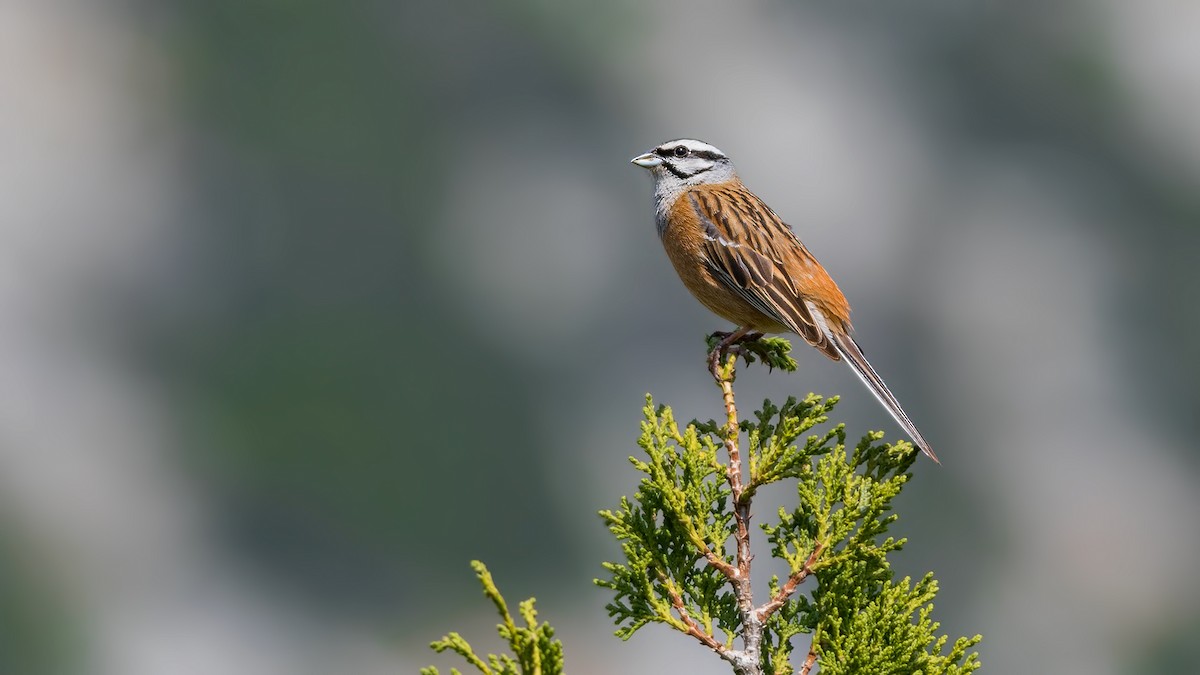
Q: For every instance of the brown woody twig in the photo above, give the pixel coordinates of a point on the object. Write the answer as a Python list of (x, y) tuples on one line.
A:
[(810, 661), (789, 587), (693, 628)]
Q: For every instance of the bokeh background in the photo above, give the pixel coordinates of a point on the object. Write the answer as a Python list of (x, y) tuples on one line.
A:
[(303, 305)]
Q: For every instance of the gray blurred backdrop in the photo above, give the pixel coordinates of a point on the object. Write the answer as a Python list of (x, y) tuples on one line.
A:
[(306, 304)]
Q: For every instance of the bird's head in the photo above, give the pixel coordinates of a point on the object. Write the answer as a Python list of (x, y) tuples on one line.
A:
[(687, 162)]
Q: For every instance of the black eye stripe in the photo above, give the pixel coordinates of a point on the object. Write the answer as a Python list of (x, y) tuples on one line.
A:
[(678, 174), (703, 154)]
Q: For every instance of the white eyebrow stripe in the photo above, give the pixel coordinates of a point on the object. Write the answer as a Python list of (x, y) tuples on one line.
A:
[(693, 144)]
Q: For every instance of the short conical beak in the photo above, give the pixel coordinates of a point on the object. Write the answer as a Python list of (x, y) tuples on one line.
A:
[(647, 161)]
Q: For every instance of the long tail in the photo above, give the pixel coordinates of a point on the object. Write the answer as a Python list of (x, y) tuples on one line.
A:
[(850, 351)]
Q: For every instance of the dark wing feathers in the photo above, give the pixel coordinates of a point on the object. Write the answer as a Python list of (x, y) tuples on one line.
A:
[(749, 249), (754, 253)]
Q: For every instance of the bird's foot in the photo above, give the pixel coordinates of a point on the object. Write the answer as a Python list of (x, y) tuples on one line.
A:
[(750, 337), (726, 344)]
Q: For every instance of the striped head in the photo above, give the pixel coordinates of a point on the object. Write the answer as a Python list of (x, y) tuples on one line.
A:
[(680, 164)]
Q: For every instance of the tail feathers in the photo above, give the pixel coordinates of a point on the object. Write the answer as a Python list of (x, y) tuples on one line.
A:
[(850, 351)]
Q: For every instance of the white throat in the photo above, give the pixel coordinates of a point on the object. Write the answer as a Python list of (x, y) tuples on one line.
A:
[(668, 187)]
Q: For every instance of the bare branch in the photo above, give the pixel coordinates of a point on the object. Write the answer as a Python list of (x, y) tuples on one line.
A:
[(695, 629), (715, 561), (810, 661), (790, 586), (752, 627)]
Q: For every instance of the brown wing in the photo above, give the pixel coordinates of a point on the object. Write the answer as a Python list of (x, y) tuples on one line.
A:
[(750, 250), (754, 253)]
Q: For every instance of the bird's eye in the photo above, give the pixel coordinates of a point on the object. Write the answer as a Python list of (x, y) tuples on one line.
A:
[(680, 151)]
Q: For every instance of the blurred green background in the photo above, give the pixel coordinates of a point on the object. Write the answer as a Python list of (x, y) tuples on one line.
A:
[(306, 304)]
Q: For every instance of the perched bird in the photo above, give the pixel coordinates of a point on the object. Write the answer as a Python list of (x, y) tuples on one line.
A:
[(746, 265)]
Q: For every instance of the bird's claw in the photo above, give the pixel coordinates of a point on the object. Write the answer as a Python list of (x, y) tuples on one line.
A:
[(727, 343)]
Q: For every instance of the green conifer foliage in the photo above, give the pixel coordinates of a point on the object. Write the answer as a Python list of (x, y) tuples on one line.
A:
[(537, 652), (685, 542)]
